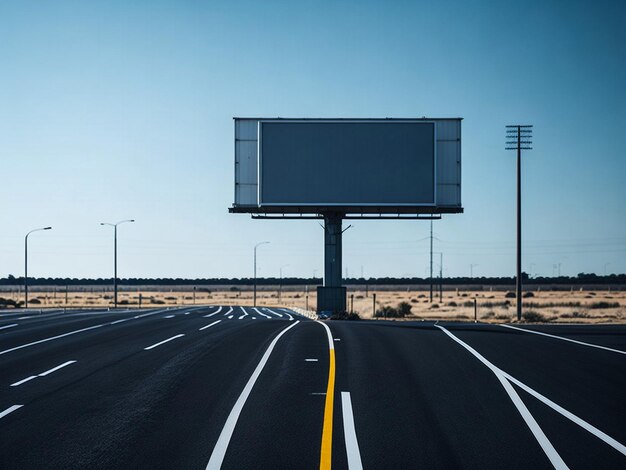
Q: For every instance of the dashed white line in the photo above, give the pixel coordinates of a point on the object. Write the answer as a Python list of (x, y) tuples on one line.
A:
[(43, 374), (8, 326), (219, 309), (209, 325), (349, 432), (169, 316), (219, 451), (10, 409), (563, 338), (230, 317), (163, 342), (310, 360), (23, 381), (242, 316)]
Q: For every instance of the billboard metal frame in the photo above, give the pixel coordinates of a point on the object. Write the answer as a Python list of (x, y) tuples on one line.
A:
[(335, 206)]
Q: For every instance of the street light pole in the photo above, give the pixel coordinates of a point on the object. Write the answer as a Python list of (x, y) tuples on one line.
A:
[(254, 288), (26, 263), (115, 256)]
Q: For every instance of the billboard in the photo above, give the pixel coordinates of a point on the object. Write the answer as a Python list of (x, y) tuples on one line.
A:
[(349, 165)]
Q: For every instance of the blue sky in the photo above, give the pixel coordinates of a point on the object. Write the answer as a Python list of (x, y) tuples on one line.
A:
[(113, 110)]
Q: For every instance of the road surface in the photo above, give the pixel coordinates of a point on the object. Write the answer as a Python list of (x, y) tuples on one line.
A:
[(239, 388)]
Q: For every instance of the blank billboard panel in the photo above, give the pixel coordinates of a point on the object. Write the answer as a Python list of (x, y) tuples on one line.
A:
[(346, 163)]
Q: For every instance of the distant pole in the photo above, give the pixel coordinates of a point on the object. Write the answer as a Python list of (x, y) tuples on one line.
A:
[(26, 263), (431, 261), (115, 256), (472, 266), (374, 305), (440, 277), (254, 287), (519, 138), (351, 303), (475, 311)]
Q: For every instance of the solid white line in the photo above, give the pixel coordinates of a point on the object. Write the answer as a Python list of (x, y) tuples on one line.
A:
[(562, 338), (50, 339), (230, 309), (569, 415), (349, 432), (540, 436), (120, 321), (260, 313), (20, 382), (245, 314), (275, 313), (10, 409), (209, 325), (219, 309), (287, 313), (162, 342), (8, 326), (331, 345), (219, 451), (43, 374)]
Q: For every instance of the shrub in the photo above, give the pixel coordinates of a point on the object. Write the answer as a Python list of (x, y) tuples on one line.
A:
[(170, 298), (461, 317), (434, 306), (452, 304), (421, 296), (604, 305), (234, 289), (357, 297), (468, 303), (532, 316), (386, 312), (489, 314), (35, 301), (503, 317), (345, 316), (528, 294), (463, 295), (123, 302), (509, 295), (157, 301), (414, 301), (404, 309)]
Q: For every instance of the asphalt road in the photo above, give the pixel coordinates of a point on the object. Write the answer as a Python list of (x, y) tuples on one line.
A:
[(238, 388)]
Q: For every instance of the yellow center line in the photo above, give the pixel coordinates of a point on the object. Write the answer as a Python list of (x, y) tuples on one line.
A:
[(327, 430)]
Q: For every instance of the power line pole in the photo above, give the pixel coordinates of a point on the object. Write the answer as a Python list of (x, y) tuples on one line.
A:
[(431, 261), (519, 138)]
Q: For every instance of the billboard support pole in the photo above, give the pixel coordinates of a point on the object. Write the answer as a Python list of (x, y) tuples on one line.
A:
[(332, 249)]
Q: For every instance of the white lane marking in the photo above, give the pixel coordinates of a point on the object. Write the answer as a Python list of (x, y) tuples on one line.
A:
[(254, 318), (242, 316), (230, 317), (331, 345), (187, 313), (569, 415), (337, 339), (318, 393), (163, 342), (10, 409), (310, 360), (245, 314), (349, 432), (219, 451), (120, 321), (50, 371), (219, 309), (169, 316), (43, 374), (23, 381), (540, 436), (8, 326), (209, 325), (287, 313), (260, 313), (275, 313), (50, 339), (26, 318), (230, 309), (563, 338), (72, 333)]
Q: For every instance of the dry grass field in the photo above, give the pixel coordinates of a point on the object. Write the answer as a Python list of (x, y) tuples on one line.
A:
[(566, 306)]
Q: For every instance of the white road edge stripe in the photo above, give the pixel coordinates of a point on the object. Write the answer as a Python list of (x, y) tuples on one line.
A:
[(8, 326), (163, 342), (43, 374), (219, 451), (540, 436), (209, 325), (349, 432), (219, 309), (10, 409), (563, 338), (23, 381)]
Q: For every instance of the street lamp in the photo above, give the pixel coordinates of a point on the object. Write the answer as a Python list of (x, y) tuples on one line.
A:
[(254, 288), (26, 263), (115, 256), (280, 285), (472, 266)]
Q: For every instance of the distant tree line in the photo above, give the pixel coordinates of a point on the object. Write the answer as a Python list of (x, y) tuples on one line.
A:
[(582, 278)]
